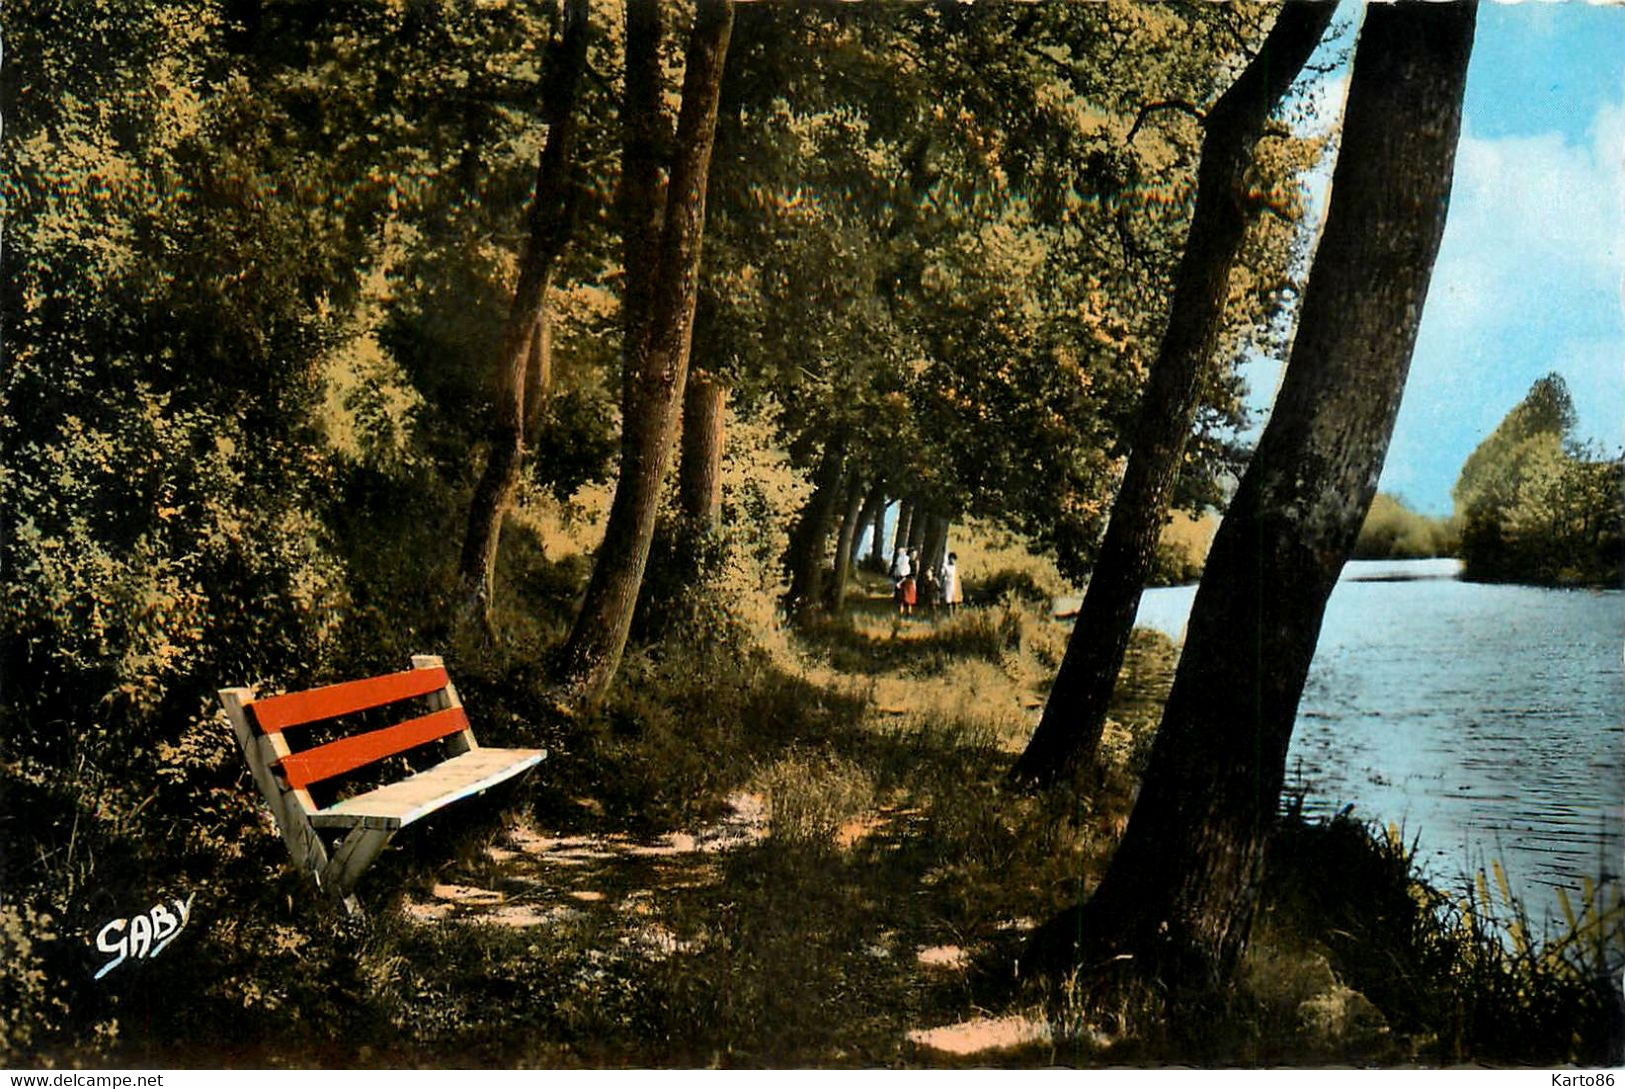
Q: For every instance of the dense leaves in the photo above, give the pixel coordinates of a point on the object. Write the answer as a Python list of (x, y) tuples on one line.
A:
[(1535, 507)]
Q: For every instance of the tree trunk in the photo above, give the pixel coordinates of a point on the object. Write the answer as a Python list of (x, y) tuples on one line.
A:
[(699, 471), (846, 540), (538, 374), (525, 347), (1075, 711), (873, 506), (905, 524), (657, 369), (935, 545), (877, 543), (1179, 894), (804, 558), (644, 133), (918, 526)]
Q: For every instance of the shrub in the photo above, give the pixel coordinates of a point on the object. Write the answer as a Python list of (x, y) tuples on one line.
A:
[(1006, 582), (1392, 530)]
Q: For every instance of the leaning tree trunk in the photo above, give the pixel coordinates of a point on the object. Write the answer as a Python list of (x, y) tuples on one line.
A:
[(525, 344), (657, 370), (845, 540), (699, 463), (1075, 711), (804, 556), (1179, 894)]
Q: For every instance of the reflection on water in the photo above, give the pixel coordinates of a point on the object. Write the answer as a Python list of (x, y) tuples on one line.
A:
[(1487, 720)]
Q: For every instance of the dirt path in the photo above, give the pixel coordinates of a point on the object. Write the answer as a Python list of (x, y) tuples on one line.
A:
[(528, 878)]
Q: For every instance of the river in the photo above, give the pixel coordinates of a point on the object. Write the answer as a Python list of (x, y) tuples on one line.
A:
[(1487, 721)]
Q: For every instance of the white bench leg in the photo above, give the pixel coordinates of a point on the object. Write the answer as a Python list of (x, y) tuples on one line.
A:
[(351, 859)]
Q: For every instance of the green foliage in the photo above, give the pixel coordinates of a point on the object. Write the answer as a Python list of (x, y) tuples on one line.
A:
[(1393, 531), (682, 596), (1547, 411), (959, 262), (162, 491), (1534, 507)]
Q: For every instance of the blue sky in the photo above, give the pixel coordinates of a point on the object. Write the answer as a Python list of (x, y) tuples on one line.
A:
[(1529, 277)]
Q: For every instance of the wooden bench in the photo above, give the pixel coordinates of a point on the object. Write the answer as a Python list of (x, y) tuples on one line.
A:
[(357, 827)]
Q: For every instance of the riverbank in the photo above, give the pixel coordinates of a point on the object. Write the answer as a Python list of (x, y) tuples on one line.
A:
[(803, 854)]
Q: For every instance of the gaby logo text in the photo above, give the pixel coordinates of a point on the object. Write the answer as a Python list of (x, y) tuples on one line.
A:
[(143, 936)]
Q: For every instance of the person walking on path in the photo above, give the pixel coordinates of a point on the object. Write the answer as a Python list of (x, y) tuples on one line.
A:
[(909, 587), (902, 571), (952, 592)]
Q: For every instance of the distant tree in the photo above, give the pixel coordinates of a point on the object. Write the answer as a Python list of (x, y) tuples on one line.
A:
[(804, 558), (662, 287), (1075, 712), (845, 541), (1393, 530), (699, 474), (1535, 507), (1546, 410), (1179, 894)]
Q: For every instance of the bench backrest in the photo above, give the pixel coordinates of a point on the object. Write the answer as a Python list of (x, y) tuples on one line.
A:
[(284, 776)]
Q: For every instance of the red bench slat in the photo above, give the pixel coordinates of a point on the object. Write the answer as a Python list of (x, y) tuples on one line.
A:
[(349, 753), (276, 713)]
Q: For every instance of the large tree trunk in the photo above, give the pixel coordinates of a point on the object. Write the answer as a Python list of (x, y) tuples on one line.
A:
[(804, 557), (525, 345), (1179, 894), (656, 373), (699, 467), (1075, 712), (851, 519)]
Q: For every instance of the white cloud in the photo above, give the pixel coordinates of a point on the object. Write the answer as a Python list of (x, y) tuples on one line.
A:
[(1533, 247), (1528, 281)]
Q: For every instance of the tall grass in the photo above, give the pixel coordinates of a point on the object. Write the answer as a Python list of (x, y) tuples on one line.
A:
[(1464, 977)]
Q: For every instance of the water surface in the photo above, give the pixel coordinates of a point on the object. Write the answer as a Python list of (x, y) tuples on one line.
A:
[(1487, 721)]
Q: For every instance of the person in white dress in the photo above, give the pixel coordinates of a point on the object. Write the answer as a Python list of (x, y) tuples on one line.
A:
[(952, 591)]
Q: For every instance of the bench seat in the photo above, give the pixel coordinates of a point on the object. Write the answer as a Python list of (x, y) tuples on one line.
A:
[(399, 804)]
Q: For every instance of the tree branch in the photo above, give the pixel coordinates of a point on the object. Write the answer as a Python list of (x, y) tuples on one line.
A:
[(1158, 107)]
